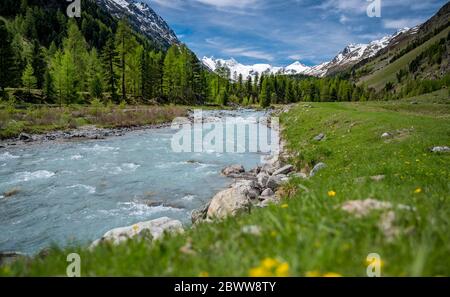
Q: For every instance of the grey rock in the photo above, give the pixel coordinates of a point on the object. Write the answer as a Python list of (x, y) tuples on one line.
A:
[(229, 202), (252, 230), (199, 215), (267, 193), (386, 135), (269, 168), (378, 178), (284, 170), (255, 170), (233, 169), (150, 230), (25, 137), (319, 137), (275, 181), (263, 177), (440, 149), (317, 168)]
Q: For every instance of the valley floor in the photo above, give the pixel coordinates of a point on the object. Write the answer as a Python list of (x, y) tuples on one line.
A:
[(310, 233)]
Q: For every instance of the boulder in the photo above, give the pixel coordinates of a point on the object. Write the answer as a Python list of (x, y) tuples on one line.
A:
[(151, 230), (255, 170), (269, 168), (233, 169), (267, 193), (284, 170), (199, 215), (275, 181), (249, 188), (263, 177), (319, 137), (25, 137), (229, 202), (317, 168), (440, 149), (362, 208)]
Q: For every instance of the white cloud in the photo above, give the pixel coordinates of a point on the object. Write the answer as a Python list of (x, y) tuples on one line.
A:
[(228, 3), (248, 53), (401, 23), (343, 19), (295, 57)]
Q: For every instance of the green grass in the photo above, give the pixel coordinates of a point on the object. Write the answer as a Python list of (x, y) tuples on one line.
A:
[(386, 74), (312, 233)]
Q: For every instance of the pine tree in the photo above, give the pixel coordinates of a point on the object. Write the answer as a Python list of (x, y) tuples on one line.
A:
[(125, 44), (28, 79), (170, 73), (48, 88), (265, 94), (96, 87), (76, 47), (94, 75), (38, 63), (109, 63), (6, 58)]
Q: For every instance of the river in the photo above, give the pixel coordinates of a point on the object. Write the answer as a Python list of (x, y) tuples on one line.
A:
[(72, 192)]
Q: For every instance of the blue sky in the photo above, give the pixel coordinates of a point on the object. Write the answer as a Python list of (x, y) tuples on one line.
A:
[(281, 32)]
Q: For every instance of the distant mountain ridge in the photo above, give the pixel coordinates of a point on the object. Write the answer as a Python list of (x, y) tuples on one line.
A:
[(349, 56), (143, 18)]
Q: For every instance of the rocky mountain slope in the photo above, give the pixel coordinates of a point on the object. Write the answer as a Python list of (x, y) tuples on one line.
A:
[(143, 18)]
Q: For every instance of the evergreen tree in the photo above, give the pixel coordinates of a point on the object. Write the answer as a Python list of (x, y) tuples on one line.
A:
[(48, 88), (109, 63), (29, 81), (265, 94), (125, 44), (76, 48), (38, 63), (6, 58)]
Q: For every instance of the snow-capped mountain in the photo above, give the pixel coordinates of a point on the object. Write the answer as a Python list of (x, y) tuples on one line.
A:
[(142, 18), (237, 68), (355, 53), (351, 55)]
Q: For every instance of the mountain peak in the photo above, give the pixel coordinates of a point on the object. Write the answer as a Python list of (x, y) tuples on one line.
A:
[(143, 18)]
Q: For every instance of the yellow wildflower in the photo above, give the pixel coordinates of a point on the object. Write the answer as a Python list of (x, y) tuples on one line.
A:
[(312, 273), (284, 206), (269, 263), (273, 234), (332, 274), (203, 274), (135, 228), (282, 270), (259, 272), (418, 191), (331, 193)]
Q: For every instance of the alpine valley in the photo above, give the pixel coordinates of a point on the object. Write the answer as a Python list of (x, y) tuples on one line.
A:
[(122, 153)]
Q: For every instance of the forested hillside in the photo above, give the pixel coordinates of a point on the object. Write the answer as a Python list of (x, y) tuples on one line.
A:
[(415, 63), (48, 57)]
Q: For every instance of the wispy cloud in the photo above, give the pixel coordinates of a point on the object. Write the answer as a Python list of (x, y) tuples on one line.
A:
[(312, 31), (401, 23)]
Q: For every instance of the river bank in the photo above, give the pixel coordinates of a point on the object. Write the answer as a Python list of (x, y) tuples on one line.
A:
[(104, 183), (384, 195), (48, 123)]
